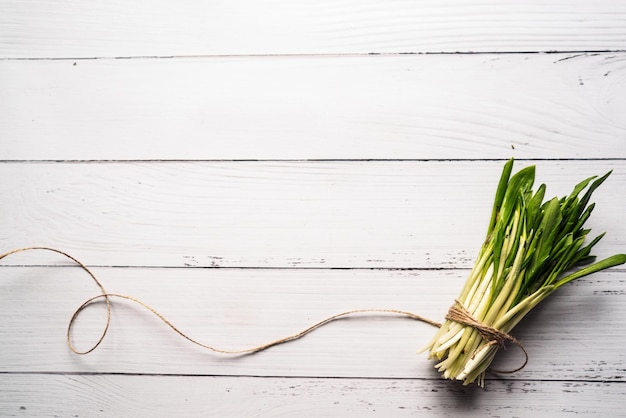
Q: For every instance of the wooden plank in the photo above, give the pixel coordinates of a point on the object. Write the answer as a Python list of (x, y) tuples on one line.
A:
[(574, 335), (165, 27), (382, 214), (364, 107), (262, 397)]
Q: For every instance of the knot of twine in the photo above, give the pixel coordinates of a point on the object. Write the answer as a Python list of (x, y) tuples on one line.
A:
[(493, 336)]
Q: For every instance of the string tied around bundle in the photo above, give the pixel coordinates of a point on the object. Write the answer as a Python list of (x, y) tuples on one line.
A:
[(493, 336), (456, 313)]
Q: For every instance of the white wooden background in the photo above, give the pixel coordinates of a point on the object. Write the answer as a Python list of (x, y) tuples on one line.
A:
[(251, 167)]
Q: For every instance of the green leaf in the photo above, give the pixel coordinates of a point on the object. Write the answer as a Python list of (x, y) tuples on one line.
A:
[(500, 193), (609, 262), (533, 207), (517, 186), (579, 188), (585, 251), (592, 188), (549, 226)]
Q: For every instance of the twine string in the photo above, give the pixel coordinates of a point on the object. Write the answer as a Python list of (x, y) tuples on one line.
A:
[(103, 295), (250, 350), (456, 313), (493, 336)]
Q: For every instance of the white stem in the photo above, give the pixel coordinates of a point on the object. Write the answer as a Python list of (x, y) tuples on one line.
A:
[(475, 360), (442, 348)]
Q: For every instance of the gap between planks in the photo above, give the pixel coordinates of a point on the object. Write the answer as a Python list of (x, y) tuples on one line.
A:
[(294, 160), (296, 377), (577, 52)]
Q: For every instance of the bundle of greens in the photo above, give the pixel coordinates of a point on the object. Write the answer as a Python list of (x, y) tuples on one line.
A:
[(530, 251)]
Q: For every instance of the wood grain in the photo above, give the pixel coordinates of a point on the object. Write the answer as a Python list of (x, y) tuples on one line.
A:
[(567, 337), (132, 396), (243, 27), (335, 214), (355, 107), (249, 168)]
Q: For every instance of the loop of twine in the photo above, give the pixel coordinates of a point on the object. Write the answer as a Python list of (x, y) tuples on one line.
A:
[(108, 296), (493, 336), (103, 294), (456, 313)]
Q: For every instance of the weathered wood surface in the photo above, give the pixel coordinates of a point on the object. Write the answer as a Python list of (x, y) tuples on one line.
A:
[(235, 309), (245, 298), (330, 107), (192, 396), (391, 214), (244, 27), (250, 168)]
